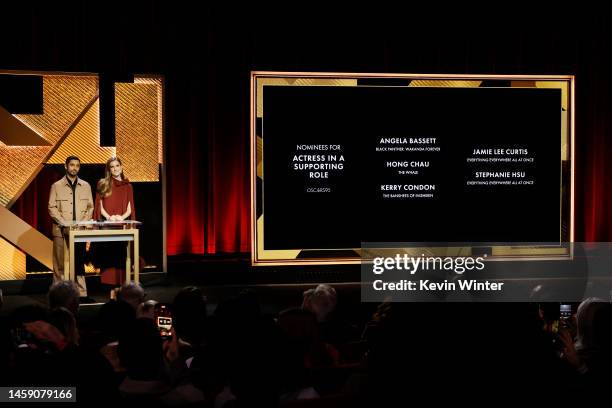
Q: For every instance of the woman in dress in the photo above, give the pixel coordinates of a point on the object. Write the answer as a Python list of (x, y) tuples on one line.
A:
[(115, 195), (114, 202)]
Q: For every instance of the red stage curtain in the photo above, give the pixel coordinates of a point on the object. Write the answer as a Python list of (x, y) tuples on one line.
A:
[(208, 191)]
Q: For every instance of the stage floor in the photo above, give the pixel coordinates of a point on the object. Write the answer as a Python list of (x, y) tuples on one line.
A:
[(219, 281)]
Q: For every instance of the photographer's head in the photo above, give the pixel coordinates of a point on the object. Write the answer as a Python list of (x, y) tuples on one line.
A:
[(64, 294), (131, 293), (321, 301), (146, 309)]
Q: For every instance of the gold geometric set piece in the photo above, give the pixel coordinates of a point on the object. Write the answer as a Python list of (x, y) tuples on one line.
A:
[(70, 125)]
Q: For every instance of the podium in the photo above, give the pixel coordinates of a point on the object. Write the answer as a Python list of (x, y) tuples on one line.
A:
[(103, 231)]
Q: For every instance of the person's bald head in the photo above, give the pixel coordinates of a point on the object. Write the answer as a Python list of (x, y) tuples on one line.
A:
[(131, 293)]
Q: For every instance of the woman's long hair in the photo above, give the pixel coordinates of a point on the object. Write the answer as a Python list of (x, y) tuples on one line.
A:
[(105, 185)]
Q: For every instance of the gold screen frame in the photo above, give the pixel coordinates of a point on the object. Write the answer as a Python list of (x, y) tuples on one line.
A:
[(262, 257)]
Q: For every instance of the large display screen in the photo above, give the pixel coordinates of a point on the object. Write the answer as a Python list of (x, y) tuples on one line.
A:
[(342, 159)]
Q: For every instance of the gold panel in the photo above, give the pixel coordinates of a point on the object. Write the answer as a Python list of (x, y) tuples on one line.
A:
[(18, 164), (565, 102), (322, 81), (259, 157), (14, 133), (137, 129), (445, 84), (84, 141), (160, 111), (563, 85), (12, 262), (28, 239), (64, 98), (263, 254), (298, 82)]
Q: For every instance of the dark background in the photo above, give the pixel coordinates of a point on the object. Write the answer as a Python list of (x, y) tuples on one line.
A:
[(461, 119), (206, 53)]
